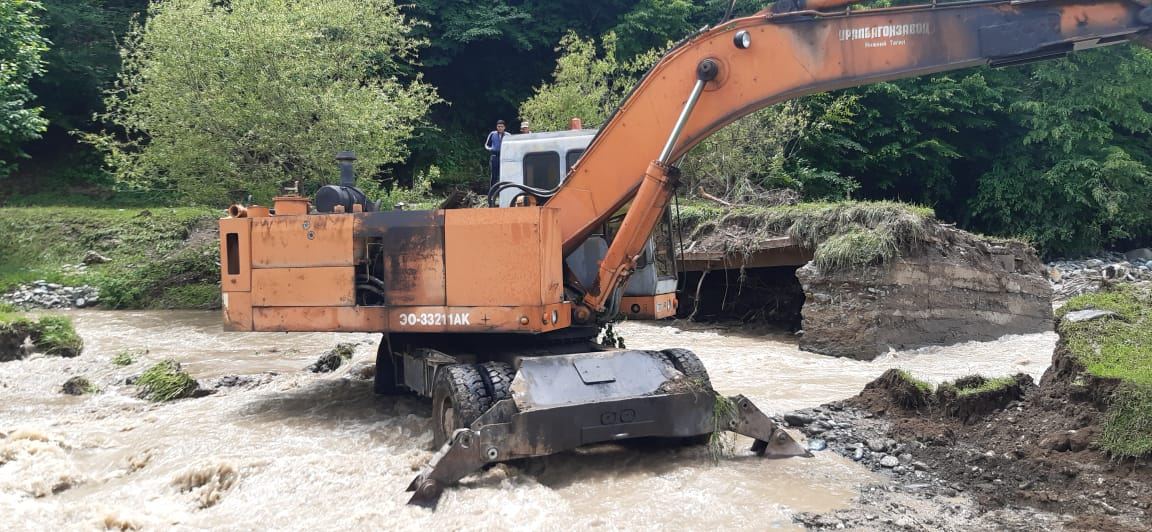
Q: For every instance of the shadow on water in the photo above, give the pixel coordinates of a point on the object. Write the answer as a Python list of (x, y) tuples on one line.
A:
[(335, 400)]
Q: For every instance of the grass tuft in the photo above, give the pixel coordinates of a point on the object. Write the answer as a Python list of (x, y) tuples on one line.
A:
[(722, 443), (55, 335), (923, 386), (1118, 348), (840, 235), (165, 381), (127, 358)]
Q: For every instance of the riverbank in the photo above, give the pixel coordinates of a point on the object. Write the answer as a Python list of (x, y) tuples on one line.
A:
[(162, 258), (1069, 452)]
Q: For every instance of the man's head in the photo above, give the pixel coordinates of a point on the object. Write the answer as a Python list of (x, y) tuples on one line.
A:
[(500, 126), (525, 127)]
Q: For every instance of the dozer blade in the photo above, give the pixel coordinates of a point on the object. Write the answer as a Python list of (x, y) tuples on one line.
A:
[(565, 401)]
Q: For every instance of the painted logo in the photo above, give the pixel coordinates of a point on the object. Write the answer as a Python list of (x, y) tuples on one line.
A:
[(885, 35)]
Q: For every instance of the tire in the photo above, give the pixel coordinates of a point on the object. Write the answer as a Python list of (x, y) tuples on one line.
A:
[(498, 379), (459, 396), (386, 381), (689, 364)]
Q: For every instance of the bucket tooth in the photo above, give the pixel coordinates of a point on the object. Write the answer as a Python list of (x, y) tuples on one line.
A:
[(770, 441)]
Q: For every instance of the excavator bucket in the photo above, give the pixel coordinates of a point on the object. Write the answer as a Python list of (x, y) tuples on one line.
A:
[(565, 401)]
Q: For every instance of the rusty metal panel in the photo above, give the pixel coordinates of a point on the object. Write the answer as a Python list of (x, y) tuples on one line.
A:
[(323, 319), (237, 308), (303, 287), (302, 241), (552, 256), (412, 244), (235, 255), (520, 319), (494, 257), (655, 307)]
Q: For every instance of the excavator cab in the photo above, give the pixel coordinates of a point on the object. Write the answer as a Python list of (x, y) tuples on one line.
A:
[(541, 161)]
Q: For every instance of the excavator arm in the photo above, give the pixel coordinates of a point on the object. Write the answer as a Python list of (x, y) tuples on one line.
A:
[(791, 49)]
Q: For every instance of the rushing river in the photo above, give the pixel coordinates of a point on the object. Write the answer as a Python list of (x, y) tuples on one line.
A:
[(308, 451)]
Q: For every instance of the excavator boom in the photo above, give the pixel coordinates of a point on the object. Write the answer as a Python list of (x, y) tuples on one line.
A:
[(482, 309)]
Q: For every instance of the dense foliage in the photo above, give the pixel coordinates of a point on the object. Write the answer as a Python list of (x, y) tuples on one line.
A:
[(251, 95), (211, 101), (21, 48)]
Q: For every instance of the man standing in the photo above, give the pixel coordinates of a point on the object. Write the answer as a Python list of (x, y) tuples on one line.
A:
[(495, 138), (525, 128)]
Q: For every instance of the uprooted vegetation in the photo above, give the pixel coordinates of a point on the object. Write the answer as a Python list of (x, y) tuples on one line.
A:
[(1115, 351), (51, 335), (166, 381), (839, 235)]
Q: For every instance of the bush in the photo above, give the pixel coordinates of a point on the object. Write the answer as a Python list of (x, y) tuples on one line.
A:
[(55, 335), (166, 381)]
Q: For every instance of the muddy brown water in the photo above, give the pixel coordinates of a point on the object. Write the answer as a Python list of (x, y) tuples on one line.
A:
[(309, 451)]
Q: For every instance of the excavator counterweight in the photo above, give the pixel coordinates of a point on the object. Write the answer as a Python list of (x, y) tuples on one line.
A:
[(494, 313)]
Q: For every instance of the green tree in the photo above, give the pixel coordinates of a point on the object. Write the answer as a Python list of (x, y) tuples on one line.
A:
[(1075, 170), (589, 82), (249, 94), (21, 49)]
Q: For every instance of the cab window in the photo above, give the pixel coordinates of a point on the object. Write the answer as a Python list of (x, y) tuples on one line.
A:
[(542, 169), (571, 158)]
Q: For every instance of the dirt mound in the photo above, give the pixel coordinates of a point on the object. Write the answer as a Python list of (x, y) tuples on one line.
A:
[(1007, 442)]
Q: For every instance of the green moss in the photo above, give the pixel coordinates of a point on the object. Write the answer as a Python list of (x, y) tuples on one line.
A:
[(1118, 347), (166, 381), (55, 335), (840, 235)]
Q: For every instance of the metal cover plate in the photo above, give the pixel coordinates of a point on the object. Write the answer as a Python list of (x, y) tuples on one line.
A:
[(594, 370)]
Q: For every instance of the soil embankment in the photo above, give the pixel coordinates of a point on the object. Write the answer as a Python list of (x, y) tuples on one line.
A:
[(1070, 452), (881, 276)]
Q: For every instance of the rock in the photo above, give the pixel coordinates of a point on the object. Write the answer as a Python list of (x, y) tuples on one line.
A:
[(906, 457), (817, 445), (77, 386), (92, 257), (327, 363), (797, 420), (1088, 315), (920, 466), (858, 455), (1056, 441), (877, 445), (1142, 254), (889, 461), (1078, 440)]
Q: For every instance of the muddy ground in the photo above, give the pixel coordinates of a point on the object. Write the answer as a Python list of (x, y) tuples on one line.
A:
[(1021, 458)]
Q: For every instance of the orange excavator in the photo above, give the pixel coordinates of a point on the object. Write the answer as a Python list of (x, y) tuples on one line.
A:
[(484, 310)]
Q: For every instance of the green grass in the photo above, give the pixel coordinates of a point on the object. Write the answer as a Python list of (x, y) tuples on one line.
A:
[(165, 381), (721, 442), (126, 358), (983, 385), (55, 335), (840, 235), (154, 262), (1120, 348), (922, 385)]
